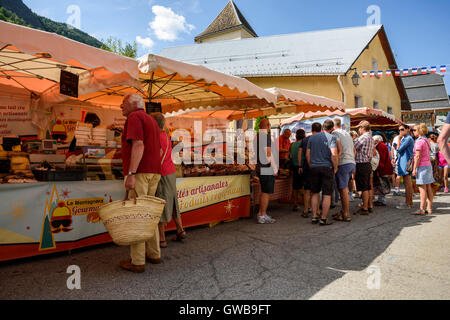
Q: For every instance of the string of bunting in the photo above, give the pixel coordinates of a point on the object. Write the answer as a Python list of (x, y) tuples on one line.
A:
[(403, 72)]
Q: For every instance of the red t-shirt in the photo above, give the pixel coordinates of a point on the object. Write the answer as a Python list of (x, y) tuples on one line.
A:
[(285, 143), (140, 126), (168, 167)]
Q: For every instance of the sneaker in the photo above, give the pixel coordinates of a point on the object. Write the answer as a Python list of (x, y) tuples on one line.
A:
[(446, 190), (350, 197), (404, 207), (265, 219)]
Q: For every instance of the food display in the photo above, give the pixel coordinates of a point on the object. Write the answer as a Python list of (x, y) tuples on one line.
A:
[(240, 165), (86, 135), (15, 167)]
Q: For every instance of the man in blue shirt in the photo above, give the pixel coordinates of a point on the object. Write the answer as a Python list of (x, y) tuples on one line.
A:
[(322, 157), (443, 139)]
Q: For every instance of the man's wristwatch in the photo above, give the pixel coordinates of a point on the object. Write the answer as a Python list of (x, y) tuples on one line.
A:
[(131, 173)]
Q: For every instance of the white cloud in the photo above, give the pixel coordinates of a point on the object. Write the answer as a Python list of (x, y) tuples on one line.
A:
[(167, 25), (146, 43)]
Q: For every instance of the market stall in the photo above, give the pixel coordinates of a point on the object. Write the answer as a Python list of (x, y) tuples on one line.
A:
[(288, 101), (51, 195), (378, 119)]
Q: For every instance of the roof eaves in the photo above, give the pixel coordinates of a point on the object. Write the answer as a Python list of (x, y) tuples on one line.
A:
[(244, 23), (206, 35)]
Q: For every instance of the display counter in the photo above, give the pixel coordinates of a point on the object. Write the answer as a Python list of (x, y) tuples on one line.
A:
[(47, 217), (282, 191)]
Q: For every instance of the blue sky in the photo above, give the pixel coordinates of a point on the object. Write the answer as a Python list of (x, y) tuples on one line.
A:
[(418, 30)]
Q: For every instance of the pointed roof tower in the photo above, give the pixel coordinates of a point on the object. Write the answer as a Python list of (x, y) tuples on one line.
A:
[(230, 19)]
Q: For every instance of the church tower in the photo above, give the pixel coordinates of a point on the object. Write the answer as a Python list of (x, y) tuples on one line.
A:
[(230, 24)]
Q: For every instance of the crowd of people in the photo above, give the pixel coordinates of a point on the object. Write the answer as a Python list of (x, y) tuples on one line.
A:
[(329, 161), (353, 165)]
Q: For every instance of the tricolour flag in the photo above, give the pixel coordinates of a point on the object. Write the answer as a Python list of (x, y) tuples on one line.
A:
[(433, 69), (405, 72), (364, 74), (388, 73), (380, 73), (424, 70), (443, 68), (372, 74), (397, 73), (414, 71)]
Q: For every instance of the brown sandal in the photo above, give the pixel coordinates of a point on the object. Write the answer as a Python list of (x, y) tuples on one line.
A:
[(163, 244), (419, 212), (180, 236)]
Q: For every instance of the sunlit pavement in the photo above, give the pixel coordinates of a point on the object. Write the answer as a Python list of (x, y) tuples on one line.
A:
[(387, 255)]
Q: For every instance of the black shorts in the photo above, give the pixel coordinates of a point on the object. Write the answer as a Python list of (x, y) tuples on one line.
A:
[(297, 179), (363, 176), (267, 183), (322, 179), (305, 179)]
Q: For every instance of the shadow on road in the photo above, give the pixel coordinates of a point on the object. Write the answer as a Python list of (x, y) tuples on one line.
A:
[(291, 259)]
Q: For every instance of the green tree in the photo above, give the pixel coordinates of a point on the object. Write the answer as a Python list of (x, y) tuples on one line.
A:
[(115, 45)]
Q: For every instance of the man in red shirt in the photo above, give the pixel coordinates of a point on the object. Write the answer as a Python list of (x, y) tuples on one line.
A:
[(384, 167), (142, 170), (285, 146)]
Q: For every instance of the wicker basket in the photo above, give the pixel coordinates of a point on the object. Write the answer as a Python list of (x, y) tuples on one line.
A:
[(132, 221)]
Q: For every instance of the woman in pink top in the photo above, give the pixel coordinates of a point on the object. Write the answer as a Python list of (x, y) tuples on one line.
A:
[(443, 168), (423, 170), (167, 187)]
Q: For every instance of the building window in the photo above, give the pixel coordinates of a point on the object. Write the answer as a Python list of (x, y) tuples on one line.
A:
[(358, 101), (389, 110), (375, 105)]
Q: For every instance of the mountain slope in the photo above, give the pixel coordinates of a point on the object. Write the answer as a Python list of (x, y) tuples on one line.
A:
[(15, 11)]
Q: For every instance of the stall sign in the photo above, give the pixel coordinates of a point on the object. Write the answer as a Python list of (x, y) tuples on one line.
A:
[(15, 118)]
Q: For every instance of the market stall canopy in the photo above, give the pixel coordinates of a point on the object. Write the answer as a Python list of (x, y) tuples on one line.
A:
[(229, 115), (181, 86), (290, 101), (33, 60), (378, 119)]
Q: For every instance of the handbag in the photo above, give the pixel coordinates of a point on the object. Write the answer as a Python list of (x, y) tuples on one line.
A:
[(132, 221), (410, 165)]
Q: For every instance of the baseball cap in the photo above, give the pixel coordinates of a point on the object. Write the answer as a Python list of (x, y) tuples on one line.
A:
[(364, 124)]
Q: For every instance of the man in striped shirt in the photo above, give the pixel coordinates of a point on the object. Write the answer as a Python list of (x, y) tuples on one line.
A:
[(364, 152)]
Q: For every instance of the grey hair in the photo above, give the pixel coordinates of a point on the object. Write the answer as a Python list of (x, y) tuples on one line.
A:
[(378, 138), (135, 98)]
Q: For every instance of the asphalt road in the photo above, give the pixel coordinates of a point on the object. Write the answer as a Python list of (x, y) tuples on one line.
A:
[(387, 255)]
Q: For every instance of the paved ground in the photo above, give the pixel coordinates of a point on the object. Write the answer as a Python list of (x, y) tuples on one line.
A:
[(387, 255)]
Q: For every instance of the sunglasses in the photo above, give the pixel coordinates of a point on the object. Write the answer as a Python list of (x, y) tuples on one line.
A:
[(402, 129), (414, 130)]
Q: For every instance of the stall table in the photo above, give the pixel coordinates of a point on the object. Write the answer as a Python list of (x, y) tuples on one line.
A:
[(282, 192), (47, 217)]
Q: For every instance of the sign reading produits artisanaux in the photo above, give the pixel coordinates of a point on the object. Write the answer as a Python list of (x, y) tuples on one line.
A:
[(194, 193)]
